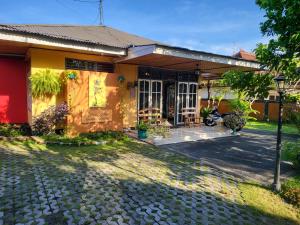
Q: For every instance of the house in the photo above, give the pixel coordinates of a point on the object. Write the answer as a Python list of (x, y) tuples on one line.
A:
[(117, 75)]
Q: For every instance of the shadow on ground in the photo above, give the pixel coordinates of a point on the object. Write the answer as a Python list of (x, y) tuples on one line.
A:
[(128, 183), (251, 155)]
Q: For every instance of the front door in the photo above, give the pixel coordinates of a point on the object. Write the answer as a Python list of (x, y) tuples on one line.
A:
[(150, 94), (186, 98)]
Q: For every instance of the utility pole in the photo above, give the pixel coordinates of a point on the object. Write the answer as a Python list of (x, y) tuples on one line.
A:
[(101, 12)]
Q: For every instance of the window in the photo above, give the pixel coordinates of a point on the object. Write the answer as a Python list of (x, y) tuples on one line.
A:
[(76, 64)]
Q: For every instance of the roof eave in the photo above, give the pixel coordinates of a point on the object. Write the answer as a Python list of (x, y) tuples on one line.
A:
[(138, 51), (43, 40)]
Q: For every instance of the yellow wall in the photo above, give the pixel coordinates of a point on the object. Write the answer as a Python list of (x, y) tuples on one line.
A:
[(55, 60)]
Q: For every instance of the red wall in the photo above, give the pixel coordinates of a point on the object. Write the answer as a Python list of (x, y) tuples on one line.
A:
[(13, 91)]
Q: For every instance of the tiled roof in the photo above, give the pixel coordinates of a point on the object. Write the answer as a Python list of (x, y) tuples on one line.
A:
[(100, 35), (245, 55)]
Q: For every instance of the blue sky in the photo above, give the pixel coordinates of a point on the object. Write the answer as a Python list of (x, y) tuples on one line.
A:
[(219, 26)]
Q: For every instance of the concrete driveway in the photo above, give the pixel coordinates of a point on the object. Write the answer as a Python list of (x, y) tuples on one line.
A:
[(250, 155)]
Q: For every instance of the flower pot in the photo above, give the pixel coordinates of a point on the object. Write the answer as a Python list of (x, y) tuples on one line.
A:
[(233, 132), (142, 134)]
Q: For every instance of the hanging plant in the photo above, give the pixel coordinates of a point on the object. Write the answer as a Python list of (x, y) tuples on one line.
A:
[(121, 79), (71, 75), (45, 82)]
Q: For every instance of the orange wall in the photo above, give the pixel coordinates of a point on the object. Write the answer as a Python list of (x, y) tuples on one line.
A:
[(78, 101), (121, 100)]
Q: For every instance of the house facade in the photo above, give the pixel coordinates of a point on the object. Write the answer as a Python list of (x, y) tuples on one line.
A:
[(117, 75)]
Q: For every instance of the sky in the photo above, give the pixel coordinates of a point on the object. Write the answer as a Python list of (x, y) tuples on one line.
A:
[(217, 26)]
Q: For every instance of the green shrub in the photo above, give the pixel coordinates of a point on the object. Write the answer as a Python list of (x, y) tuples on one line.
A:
[(294, 98), (14, 130), (204, 112), (54, 138), (102, 136), (142, 126), (291, 152), (295, 118), (290, 191), (86, 138), (242, 107), (45, 82), (234, 121)]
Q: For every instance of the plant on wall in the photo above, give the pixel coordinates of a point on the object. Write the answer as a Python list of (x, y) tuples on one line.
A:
[(45, 82), (71, 75)]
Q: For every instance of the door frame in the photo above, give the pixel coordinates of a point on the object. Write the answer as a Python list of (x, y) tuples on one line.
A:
[(150, 94), (187, 98)]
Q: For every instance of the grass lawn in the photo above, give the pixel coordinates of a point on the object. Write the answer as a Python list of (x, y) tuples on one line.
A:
[(271, 126), (126, 182)]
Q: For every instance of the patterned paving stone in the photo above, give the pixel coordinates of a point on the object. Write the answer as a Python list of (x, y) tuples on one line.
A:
[(128, 191)]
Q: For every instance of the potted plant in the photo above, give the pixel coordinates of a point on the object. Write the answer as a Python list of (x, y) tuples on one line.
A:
[(142, 128), (204, 112)]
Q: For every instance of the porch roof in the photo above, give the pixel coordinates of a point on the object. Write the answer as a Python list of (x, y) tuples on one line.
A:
[(181, 59)]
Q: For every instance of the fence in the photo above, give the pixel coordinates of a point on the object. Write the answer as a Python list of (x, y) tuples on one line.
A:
[(266, 110)]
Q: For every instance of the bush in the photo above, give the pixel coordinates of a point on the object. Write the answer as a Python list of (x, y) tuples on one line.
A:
[(54, 138), (292, 98), (295, 118), (204, 112), (242, 107), (234, 121), (14, 130), (290, 191), (49, 120), (101, 136), (291, 152), (86, 138)]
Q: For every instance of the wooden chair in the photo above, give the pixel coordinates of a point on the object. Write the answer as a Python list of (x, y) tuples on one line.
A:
[(150, 115), (190, 117)]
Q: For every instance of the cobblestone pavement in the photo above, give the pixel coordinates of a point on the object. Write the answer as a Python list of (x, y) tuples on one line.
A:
[(39, 187)]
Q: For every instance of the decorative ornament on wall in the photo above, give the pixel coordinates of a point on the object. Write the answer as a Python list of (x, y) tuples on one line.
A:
[(97, 90), (72, 75), (121, 79)]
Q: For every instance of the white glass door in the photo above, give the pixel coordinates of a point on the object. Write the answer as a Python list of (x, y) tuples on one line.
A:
[(150, 94), (186, 98), (144, 94)]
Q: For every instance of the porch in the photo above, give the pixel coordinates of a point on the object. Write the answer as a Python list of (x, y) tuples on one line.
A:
[(186, 134), (169, 79)]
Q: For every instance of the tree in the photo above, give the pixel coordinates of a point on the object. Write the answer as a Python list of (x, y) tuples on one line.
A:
[(282, 26), (253, 85)]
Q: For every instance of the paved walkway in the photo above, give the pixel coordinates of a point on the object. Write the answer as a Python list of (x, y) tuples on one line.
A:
[(140, 186), (186, 134), (250, 155)]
